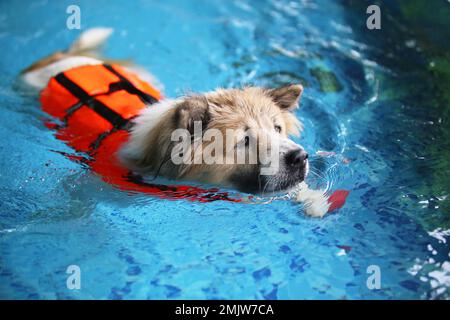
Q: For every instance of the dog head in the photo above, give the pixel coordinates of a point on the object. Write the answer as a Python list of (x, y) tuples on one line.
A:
[(234, 137)]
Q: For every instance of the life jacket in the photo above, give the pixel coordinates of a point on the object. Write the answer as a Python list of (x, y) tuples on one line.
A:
[(95, 106)]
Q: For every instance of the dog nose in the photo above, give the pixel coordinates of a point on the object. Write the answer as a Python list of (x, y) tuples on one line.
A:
[(296, 157)]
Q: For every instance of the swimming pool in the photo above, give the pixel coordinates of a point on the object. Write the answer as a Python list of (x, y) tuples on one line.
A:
[(376, 100)]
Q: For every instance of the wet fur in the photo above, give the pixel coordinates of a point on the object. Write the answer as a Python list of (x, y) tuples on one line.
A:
[(238, 109)]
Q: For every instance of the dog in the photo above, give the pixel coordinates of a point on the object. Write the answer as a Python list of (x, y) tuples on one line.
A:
[(263, 115)]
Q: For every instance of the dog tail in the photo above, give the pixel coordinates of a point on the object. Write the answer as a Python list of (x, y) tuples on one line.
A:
[(90, 41)]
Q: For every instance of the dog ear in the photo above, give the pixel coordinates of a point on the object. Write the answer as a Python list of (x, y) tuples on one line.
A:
[(191, 110), (287, 97)]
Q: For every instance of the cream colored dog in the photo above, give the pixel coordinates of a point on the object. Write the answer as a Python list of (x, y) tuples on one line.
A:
[(250, 114)]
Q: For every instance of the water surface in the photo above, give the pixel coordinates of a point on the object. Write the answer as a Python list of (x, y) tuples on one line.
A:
[(376, 100)]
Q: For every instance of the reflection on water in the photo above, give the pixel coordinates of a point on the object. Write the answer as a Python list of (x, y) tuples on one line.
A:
[(375, 112)]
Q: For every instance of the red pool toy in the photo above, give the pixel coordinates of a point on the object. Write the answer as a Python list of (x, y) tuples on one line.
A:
[(337, 199)]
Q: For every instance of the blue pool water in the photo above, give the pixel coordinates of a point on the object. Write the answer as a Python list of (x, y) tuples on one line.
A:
[(55, 213)]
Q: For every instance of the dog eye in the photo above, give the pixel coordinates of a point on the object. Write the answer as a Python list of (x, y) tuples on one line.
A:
[(277, 129)]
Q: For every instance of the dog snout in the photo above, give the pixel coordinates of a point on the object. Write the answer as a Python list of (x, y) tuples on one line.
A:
[(296, 158)]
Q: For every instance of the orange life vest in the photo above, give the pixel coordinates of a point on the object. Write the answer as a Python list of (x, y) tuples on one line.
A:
[(95, 105)]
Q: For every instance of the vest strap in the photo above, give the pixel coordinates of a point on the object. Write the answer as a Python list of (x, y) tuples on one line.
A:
[(116, 120), (126, 85)]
